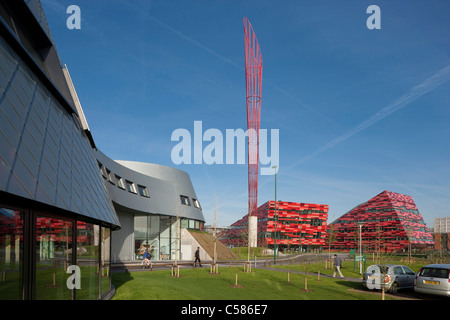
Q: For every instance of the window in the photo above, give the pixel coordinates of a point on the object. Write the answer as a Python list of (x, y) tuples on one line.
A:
[(120, 182), (185, 200), (53, 255), (130, 186), (143, 191), (109, 175), (398, 271), (102, 169), (11, 253), (408, 271), (88, 258), (105, 259), (196, 203)]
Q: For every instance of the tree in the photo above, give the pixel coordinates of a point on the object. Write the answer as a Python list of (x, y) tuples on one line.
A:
[(331, 237)]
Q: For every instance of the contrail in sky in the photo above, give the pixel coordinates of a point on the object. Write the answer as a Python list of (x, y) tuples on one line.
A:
[(433, 82), (223, 58)]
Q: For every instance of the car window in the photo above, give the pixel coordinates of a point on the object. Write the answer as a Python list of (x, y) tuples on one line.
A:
[(435, 272), (398, 271), (408, 270)]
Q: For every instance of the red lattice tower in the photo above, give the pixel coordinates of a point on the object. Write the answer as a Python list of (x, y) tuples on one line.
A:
[(253, 80)]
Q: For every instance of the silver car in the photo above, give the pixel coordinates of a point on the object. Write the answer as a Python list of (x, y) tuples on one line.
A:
[(434, 279), (394, 276)]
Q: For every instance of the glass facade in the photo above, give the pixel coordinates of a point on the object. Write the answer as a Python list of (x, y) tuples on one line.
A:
[(88, 260), (161, 235), (53, 256), (11, 253), (36, 249), (105, 260)]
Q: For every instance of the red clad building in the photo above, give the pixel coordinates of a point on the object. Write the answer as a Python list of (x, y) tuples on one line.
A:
[(299, 225), (389, 222)]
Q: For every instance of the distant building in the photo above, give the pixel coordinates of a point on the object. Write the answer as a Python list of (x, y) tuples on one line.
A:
[(442, 241), (442, 233), (209, 228), (442, 225), (390, 222), (301, 225)]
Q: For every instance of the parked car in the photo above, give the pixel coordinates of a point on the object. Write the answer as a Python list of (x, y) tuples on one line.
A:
[(395, 277), (433, 279)]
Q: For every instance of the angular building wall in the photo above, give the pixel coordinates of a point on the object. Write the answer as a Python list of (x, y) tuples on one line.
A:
[(390, 222), (55, 211), (45, 156), (60, 197)]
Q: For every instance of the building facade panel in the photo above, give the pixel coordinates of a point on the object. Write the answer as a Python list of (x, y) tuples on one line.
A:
[(54, 209), (292, 224), (389, 222), (155, 201), (39, 138), (58, 194)]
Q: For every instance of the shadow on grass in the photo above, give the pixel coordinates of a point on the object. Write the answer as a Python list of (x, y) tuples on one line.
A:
[(407, 293), (350, 284), (119, 279)]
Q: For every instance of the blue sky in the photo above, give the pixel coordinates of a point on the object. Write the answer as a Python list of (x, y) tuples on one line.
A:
[(359, 111)]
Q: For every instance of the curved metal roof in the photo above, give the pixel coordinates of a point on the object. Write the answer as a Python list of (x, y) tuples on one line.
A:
[(165, 185)]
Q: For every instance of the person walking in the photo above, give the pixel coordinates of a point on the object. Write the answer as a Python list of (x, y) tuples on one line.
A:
[(146, 258), (197, 257), (337, 266)]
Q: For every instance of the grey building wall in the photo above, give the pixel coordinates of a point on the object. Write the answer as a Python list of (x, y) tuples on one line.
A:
[(123, 239), (44, 154), (47, 153), (165, 185), (36, 8)]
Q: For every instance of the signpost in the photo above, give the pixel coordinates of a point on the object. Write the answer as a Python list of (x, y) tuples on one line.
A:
[(360, 259)]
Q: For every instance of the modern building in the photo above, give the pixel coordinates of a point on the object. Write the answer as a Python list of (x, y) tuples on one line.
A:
[(66, 209), (153, 204), (289, 225), (54, 209), (390, 222)]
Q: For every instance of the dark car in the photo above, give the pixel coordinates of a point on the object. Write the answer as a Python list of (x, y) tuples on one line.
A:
[(394, 276)]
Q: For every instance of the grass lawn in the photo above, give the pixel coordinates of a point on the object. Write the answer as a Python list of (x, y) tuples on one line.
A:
[(348, 268), (198, 284)]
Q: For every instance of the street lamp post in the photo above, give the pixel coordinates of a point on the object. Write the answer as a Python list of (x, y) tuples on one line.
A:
[(276, 219), (360, 223)]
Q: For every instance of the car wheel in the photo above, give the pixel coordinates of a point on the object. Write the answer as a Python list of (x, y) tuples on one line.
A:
[(394, 288)]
